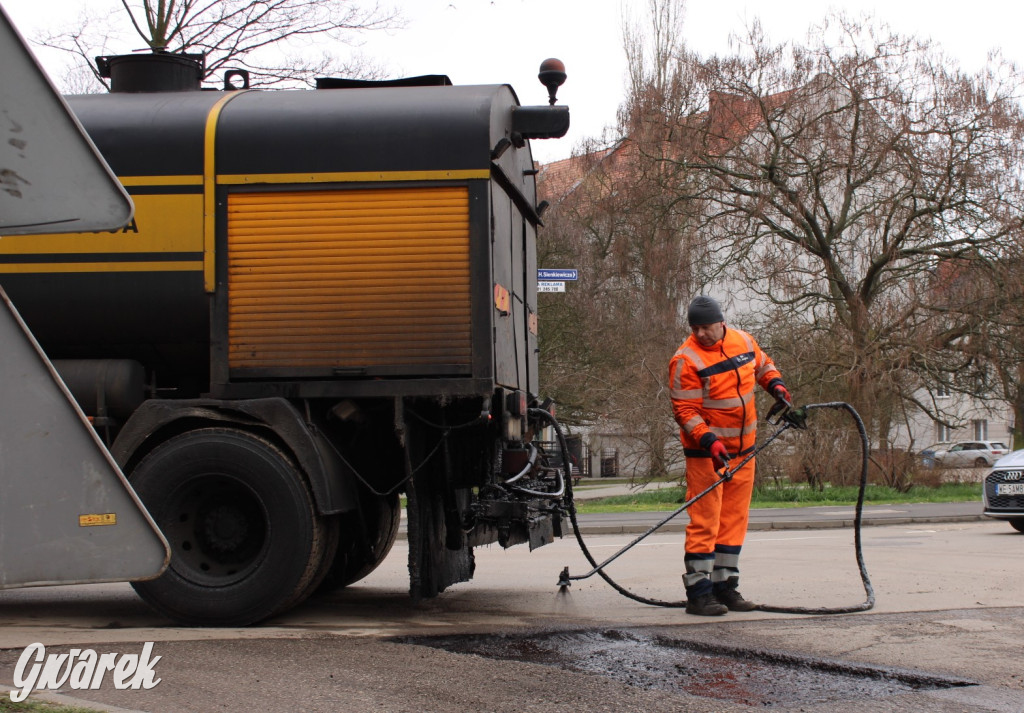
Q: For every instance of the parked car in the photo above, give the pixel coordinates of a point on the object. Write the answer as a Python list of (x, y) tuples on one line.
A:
[(1003, 494), (964, 454), (928, 454)]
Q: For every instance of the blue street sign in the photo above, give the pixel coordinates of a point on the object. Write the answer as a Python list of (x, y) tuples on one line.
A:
[(555, 274)]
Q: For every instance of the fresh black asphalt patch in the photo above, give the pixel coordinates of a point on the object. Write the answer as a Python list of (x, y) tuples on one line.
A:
[(749, 677)]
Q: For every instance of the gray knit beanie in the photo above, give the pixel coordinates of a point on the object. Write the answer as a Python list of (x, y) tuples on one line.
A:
[(704, 310)]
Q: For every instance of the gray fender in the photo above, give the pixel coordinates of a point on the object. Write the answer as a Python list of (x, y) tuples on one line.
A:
[(331, 479)]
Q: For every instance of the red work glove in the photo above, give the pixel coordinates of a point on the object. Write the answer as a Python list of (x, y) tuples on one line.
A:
[(782, 394), (719, 455)]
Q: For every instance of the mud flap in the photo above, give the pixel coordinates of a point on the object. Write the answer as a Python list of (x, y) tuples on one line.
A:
[(544, 529), (439, 553), (433, 567)]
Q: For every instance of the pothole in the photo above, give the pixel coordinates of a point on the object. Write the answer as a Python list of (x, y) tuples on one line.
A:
[(750, 677)]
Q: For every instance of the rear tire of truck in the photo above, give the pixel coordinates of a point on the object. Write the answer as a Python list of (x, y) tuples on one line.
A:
[(358, 553), (246, 541)]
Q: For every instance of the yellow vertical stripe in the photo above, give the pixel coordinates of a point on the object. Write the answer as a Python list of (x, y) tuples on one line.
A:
[(209, 190)]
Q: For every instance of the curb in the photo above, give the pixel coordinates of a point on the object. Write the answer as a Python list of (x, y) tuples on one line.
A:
[(814, 523), (55, 698), (631, 529)]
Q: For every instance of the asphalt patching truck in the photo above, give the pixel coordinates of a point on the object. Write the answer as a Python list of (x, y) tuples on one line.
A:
[(326, 299)]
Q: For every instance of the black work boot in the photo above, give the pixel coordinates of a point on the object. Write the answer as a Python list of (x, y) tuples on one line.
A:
[(729, 596), (705, 605)]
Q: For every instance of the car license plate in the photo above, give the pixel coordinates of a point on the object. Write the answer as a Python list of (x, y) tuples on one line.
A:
[(1009, 488)]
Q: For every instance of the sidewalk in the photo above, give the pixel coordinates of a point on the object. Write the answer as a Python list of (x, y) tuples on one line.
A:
[(809, 518), (594, 488), (795, 518)]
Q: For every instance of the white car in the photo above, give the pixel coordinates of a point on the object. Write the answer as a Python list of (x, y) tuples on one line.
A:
[(1003, 494), (965, 454)]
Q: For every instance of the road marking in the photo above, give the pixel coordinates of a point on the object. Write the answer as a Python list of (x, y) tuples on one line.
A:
[(674, 543), (849, 511), (777, 539)]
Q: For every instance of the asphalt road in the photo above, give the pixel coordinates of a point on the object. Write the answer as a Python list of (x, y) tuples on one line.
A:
[(948, 603)]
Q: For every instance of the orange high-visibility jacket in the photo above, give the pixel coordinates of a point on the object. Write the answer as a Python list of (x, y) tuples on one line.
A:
[(713, 390)]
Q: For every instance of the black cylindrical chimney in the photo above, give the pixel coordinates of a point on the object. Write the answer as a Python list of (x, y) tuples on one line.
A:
[(157, 72)]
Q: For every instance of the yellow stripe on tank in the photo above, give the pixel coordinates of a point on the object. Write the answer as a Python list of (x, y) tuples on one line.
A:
[(161, 266), (354, 176)]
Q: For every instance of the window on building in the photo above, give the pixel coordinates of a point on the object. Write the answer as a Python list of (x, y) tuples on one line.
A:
[(980, 429), (942, 391), (943, 432)]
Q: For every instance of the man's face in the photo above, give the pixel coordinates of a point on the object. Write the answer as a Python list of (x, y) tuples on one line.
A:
[(707, 335)]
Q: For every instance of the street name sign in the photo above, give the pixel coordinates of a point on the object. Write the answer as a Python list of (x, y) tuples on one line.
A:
[(557, 274)]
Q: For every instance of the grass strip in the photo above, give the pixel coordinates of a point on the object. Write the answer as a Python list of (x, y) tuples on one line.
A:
[(788, 496), (35, 706)]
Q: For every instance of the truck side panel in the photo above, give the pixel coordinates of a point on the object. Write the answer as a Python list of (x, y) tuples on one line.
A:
[(532, 318), (504, 285)]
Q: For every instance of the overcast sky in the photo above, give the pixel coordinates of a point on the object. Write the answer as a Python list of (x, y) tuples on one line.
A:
[(504, 41)]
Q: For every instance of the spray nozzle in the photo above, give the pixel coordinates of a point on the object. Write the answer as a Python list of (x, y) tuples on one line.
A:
[(783, 411)]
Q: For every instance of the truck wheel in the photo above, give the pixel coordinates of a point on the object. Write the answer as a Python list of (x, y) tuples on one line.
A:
[(246, 542), (359, 552), (1017, 524)]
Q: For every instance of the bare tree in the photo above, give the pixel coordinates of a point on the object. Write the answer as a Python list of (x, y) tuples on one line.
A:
[(836, 179), (607, 341), (981, 348), (831, 191), (270, 38)]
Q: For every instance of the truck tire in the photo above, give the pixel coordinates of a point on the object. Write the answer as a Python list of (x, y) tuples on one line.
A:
[(246, 542), (358, 553)]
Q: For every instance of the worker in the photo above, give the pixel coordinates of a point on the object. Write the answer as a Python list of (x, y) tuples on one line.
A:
[(711, 379)]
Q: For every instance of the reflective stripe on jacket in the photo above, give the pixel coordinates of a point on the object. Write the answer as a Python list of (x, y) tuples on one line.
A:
[(713, 390)]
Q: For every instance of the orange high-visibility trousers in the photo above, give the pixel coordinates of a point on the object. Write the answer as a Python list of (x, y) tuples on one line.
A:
[(720, 517)]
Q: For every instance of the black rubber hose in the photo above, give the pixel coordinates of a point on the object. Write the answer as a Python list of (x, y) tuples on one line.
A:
[(571, 507), (869, 590), (857, 519)]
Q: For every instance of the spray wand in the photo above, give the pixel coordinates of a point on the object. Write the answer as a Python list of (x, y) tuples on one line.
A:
[(783, 415)]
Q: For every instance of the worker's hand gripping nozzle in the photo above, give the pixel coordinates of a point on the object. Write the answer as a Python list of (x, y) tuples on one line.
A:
[(784, 412)]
